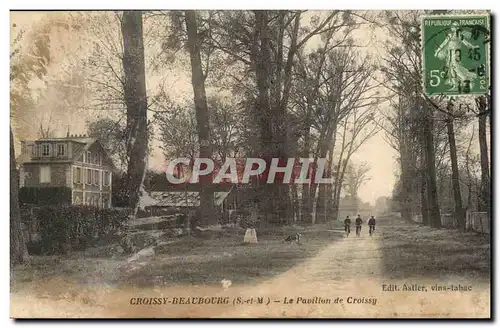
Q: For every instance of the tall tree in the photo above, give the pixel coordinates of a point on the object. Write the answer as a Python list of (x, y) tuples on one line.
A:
[(483, 108), (455, 175), (403, 70), (430, 158), (262, 45), (202, 116), (18, 250), (21, 73), (136, 103)]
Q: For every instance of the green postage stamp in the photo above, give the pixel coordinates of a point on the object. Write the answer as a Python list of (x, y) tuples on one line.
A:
[(455, 51)]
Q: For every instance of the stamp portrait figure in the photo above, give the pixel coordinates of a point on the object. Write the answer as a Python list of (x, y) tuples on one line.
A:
[(450, 50)]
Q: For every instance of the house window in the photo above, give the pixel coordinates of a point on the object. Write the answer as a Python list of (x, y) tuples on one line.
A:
[(89, 176), (78, 175), (46, 150), (89, 159), (106, 179), (45, 174), (97, 177), (61, 150), (96, 158)]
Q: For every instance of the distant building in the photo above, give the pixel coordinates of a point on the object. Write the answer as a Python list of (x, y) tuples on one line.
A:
[(228, 198), (76, 169)]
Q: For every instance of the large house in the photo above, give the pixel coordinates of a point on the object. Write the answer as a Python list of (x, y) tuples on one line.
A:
[(76, 165)]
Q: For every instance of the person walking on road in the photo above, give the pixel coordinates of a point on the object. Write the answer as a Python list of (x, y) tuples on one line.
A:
[(358, 222), (347, 226), (371, 224)]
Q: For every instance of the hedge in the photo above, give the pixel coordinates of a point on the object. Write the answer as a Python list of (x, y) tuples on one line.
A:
[(45, 195), (66, 228)]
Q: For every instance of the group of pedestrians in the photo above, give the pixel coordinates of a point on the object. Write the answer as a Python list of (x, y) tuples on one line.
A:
[(358, 223)]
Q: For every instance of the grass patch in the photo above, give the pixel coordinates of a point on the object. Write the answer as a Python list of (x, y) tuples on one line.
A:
[(419, 251), (205, 259), (209, 261)]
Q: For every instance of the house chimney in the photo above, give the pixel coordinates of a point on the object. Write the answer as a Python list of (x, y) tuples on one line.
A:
[(67, 133)]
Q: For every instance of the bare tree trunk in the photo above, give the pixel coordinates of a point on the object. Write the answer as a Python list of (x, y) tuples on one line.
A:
[(263, 110), (18, 250), (340, 175), (405, 184), (329, 213), (423, 189), (321, 151), (423, 198), (271, 117), (457, 195), (136, 102), (483, 148), (306, 194), (202, 116), (430, 156), (424, 205), (323, 192), (295, 202)]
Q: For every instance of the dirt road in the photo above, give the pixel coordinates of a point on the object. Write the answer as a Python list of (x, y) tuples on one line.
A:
[(347, 279)]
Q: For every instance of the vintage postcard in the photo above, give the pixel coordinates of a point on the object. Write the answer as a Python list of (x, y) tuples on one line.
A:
[(250, 164)]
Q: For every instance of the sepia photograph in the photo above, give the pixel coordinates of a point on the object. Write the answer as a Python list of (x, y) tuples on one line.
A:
[(243, 164)]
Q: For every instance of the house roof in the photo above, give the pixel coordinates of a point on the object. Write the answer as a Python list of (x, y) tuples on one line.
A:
[(165, 185), (184, 198), (84, 142)]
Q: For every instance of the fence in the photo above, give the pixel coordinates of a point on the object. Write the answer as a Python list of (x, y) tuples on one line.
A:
[(449, 221), (475, 221), (478, 221)]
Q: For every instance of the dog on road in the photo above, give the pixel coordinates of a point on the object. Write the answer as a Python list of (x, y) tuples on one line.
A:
[(293, 238)]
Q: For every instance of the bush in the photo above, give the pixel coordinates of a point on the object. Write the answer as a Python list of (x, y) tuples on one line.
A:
[(65, 228), (45, 195)]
